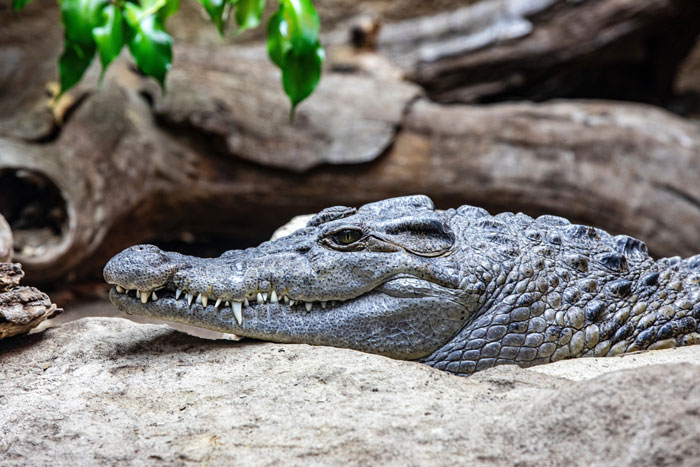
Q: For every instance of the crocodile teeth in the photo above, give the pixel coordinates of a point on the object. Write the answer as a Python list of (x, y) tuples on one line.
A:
[(245, 302), (308, 306), (260, 299), (286, 299), (273, 297), (323, 304), (264, 296), (237, 312), (291, 303), (218, 302), (144, 296), (227, 304), (198, 299), (204, 300), (154, 296), (178, 292), (119, 289), (189, 298)]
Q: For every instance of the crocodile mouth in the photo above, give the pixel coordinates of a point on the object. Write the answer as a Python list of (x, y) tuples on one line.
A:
[(403, 317), (180, 305), (200, 304)]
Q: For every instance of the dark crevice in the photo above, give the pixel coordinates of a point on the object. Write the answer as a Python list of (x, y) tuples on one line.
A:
[(148, 97), (35, 209)]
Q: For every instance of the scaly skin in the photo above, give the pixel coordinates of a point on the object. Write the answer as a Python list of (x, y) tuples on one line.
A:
[(459, 290)]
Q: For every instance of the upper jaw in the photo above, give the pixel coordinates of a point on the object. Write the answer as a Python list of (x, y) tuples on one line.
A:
[(192, 304)]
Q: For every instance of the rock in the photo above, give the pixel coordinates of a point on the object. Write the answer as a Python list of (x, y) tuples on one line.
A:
[(109, 391)]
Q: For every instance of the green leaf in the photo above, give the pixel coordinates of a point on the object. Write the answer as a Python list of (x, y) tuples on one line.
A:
[(73, 63), (132, 14), (215, 8), (79, 17), (249, 13), (150, 45), (302, 72), (303, 25), (294, 46), (109, 37), (169, 9), (163, 8), (277, 42), (19, 4)]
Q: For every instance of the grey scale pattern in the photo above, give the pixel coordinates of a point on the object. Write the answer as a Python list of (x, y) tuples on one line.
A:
[(460, 290)]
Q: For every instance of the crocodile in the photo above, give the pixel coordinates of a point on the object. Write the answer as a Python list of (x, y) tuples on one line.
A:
[(460, 290)]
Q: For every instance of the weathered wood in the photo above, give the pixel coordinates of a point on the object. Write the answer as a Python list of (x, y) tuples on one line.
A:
[(119, 172), (123, 179), (21, 308), (216, 156), (234, 96), (540, 49)]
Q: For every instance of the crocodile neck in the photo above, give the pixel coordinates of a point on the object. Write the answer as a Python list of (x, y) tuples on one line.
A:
[(552, 304)]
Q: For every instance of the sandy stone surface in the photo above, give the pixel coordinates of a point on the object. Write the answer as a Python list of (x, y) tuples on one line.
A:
[(109, 391)]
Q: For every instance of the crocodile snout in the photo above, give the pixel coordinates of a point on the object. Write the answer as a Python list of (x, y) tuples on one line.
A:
[(142, 267)]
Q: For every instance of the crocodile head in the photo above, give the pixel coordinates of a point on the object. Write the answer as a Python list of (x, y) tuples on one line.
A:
[(383, 278)]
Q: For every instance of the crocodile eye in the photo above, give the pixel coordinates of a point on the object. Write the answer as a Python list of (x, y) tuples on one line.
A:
[(347, 236)]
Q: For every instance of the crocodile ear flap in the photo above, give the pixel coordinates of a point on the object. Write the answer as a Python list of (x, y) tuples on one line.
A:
[(423, 236), (331, 214)]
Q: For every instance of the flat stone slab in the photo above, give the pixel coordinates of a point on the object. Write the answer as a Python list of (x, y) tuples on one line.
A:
[(110, 391)]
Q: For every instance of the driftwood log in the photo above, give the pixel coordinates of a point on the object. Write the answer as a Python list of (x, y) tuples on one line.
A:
[(216, 156)]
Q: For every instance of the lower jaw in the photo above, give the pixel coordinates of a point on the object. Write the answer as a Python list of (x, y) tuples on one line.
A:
[(375, 322)]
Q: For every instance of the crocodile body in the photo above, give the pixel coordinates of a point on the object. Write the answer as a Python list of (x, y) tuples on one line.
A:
[(460, 290)]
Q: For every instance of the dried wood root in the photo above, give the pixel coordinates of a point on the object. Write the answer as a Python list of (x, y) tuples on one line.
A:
[(21, 308)]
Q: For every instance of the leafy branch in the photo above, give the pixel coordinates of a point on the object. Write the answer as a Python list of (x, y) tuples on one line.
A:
[(104, 27)]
